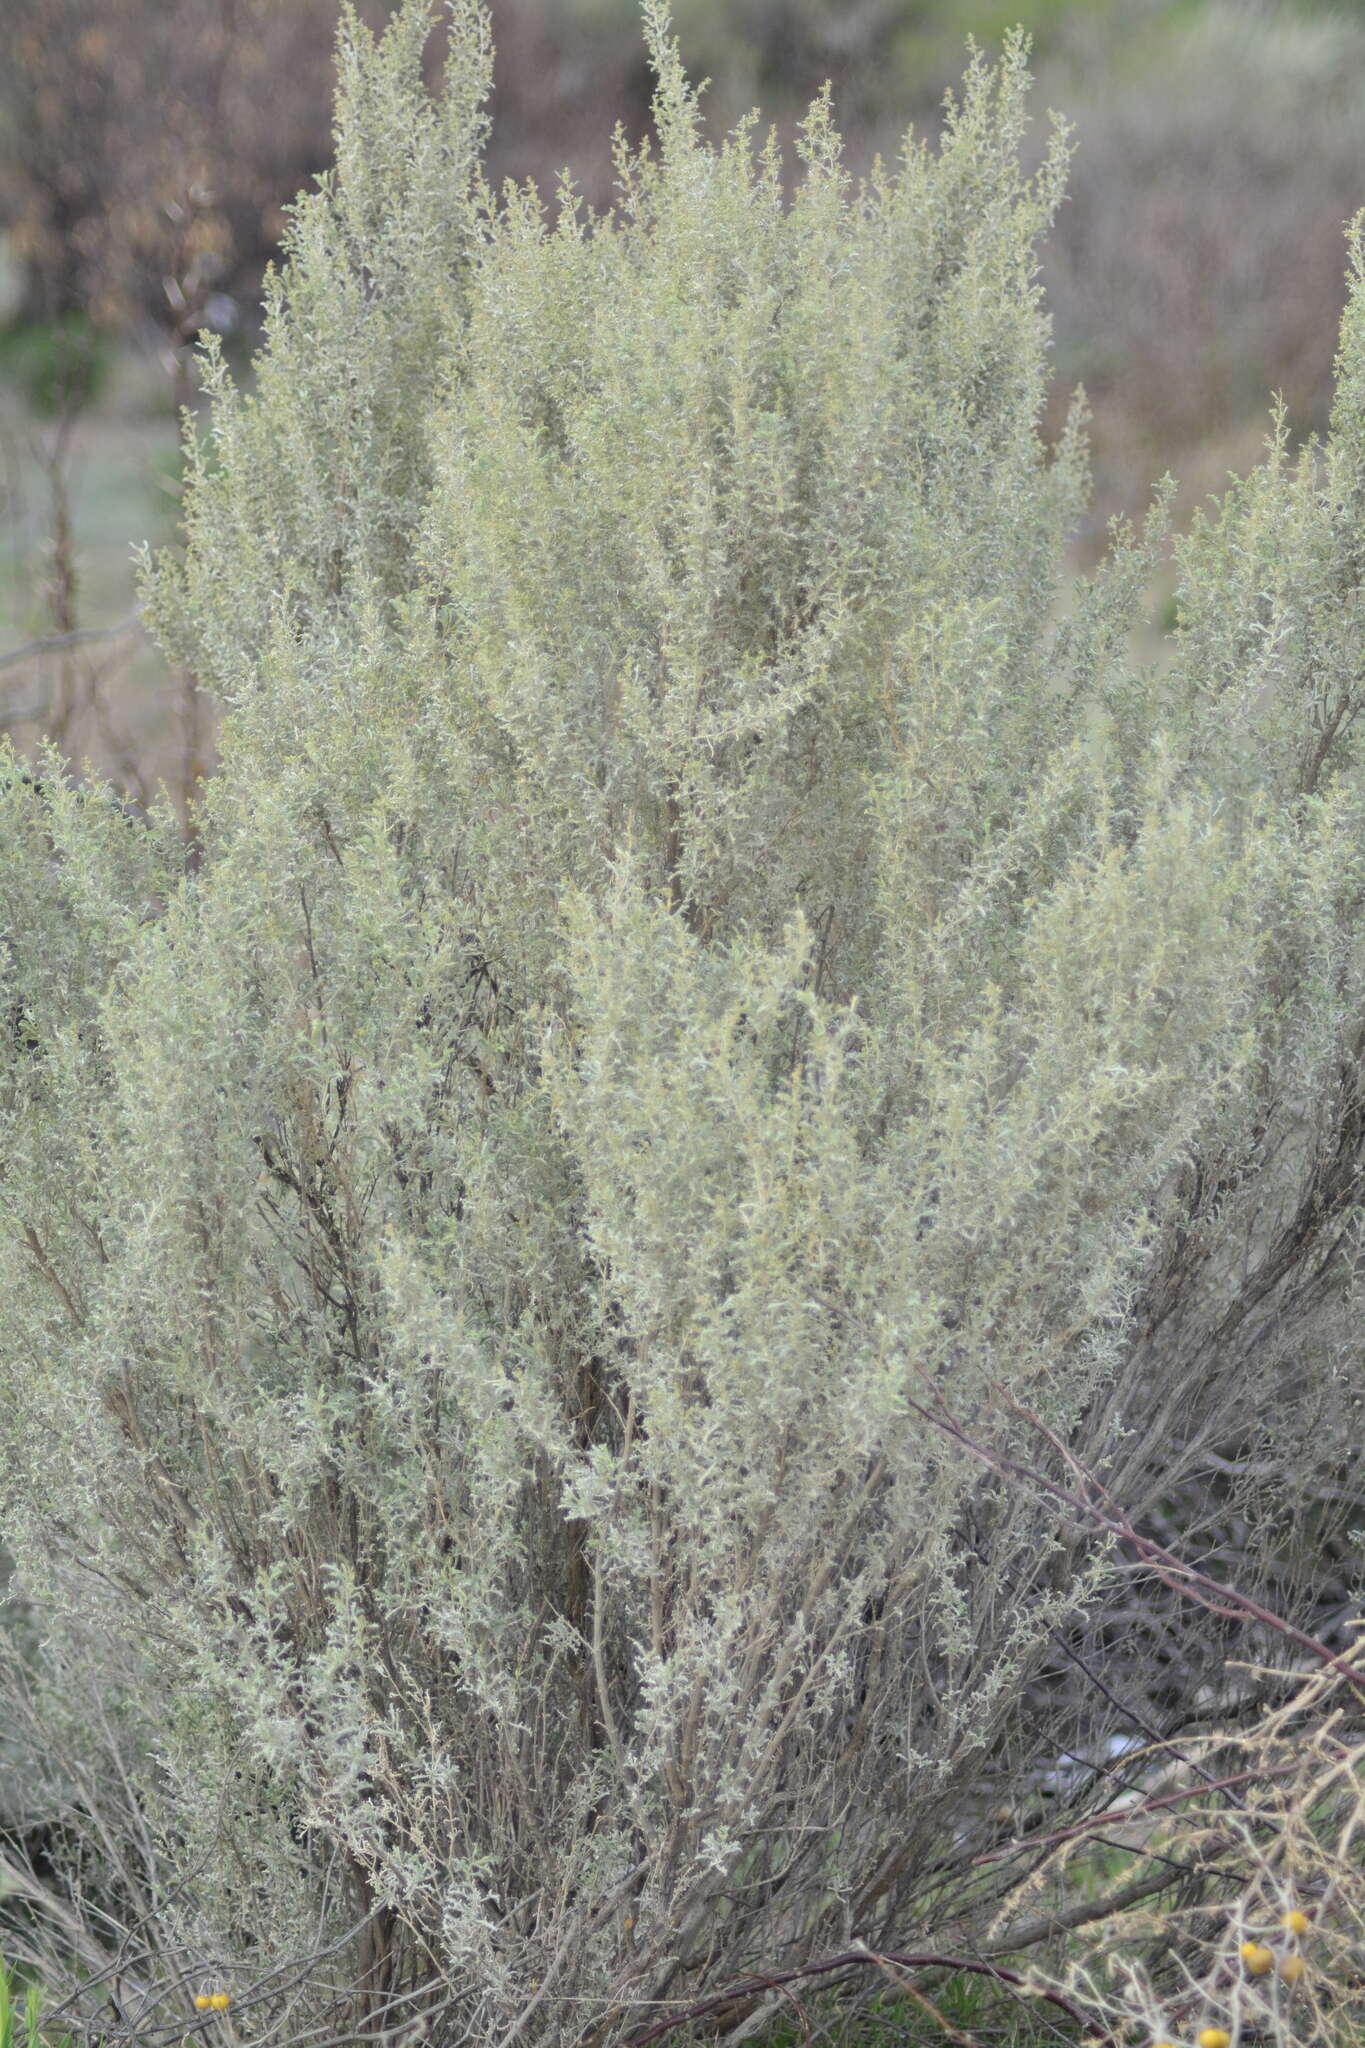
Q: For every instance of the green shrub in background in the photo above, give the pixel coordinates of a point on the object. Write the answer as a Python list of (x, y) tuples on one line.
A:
[(18, 2026), (21, 2015), (704, 962), (57, 368)]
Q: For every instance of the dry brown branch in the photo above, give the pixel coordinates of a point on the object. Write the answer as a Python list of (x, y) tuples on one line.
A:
[(79, 636), (883, 1960)]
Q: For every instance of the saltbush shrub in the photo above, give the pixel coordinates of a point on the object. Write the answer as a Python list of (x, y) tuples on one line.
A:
[(714, 1026)]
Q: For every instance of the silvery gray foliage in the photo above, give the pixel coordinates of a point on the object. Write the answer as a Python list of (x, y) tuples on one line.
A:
[(707, 955)]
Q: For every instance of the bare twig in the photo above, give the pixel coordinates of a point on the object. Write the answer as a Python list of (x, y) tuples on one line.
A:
[(53, 643), (1223, 1600), (1083, 1914), (1093, 1821), (878, 1959)]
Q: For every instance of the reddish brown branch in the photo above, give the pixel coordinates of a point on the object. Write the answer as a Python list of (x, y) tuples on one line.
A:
[(1225, 1601), (885, 1960), (1126, 1814)]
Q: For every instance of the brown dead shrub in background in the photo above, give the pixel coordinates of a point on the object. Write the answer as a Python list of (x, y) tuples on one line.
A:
[(148, 149), (1196, 265)]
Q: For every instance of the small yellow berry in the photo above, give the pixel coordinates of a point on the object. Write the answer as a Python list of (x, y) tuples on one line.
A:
[(1296, 1922), (1163, 2044), (221, 2000), (202, 2002), (1259, 1959), (1214, 2037), (1292, 1968)]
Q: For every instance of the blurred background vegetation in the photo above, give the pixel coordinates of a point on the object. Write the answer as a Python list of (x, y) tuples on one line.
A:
[(148, 149)]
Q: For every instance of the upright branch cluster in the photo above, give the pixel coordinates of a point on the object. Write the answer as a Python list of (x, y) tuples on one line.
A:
[(705, 953)]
